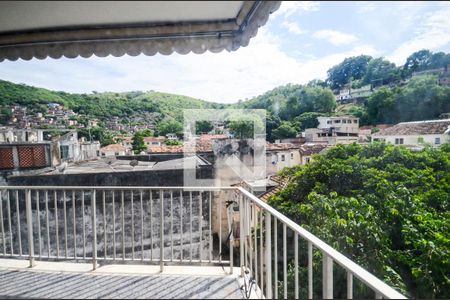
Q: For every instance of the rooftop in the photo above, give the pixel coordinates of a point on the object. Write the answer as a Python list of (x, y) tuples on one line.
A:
[(415, 128)]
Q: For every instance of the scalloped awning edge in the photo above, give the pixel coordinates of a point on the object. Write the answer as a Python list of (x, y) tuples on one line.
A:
[(181, 38)]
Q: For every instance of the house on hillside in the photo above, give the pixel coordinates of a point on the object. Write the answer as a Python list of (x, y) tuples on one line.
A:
[(308, 150), (281, 155), (414, 134), (334, 130)]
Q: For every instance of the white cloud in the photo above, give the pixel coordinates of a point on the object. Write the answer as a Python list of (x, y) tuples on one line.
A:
[(288, 8), (336, 38), (221, 77), (433, 32), (292, 27)]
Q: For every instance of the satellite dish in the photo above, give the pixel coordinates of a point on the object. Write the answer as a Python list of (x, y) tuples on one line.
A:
[(134, 163)]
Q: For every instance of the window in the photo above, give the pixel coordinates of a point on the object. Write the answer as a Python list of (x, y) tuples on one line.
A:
[(292, 155), (116, 153), (344, 121), (98, 153), (399, 141), (420, 139), (283, 157), (155, 143), (337, 121), (328, 122), (64, 152), (355, 121), (307, 159), (437, 140)]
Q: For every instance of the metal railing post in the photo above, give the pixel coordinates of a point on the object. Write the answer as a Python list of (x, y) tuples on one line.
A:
[(161, 233), (29, 227), (94, 231), (268, 253), (327, 277), (241, 234)]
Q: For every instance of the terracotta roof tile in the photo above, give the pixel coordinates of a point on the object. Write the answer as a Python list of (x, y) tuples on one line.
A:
[(415, 128)]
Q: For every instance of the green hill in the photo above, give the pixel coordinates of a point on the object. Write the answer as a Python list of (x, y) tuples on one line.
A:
[(101, 105)]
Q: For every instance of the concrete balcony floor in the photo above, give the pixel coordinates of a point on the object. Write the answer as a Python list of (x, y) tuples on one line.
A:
[(59, 280)]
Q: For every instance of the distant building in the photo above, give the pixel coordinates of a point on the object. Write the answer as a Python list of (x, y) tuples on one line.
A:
[(154, 141), (433, 132), (172, 137), (113, 150), (308, 150), (281, 155), (354, 95), (334, 130)]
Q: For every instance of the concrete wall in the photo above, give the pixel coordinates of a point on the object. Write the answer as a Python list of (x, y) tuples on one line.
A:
[(136, 178)]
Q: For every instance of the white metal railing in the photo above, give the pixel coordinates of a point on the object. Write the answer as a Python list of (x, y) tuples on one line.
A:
[(57, 223), (169, 225), (259, 218)]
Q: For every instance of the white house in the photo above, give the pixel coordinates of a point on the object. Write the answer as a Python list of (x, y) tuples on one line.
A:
[(433, 132), (281, 155), (334, 130)]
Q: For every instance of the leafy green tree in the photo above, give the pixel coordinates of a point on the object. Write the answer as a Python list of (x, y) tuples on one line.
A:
[(203, 127), (309, 99), (272, 122), (418, 61), (138, 144), (385, 207), (352, 68), (172, 143), (242, 129), (307, 120), (285, 130), (381, 71), (169, 126), (146, 132)]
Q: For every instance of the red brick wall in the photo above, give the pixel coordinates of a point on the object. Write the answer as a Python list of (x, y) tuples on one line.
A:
[(6, 158)]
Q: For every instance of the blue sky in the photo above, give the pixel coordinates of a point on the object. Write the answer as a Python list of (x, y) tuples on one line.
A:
[(300, 42)]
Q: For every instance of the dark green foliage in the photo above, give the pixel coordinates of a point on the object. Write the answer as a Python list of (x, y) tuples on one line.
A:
[(285, 130), (203, 127), (138, 143), (96, 134), (242, 129), (169, 126), (385, 207), (352, 68), (421, 99)]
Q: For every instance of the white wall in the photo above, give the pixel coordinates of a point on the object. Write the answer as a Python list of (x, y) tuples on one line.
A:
[(414, 139)]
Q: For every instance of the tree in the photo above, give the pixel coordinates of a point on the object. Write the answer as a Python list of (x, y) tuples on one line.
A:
[(309, 99), (418, 61), (169, 126), (272, 122), (352, 68), (381, 71), (203, 127), (242, 129), (138, 143), (384, 207), (285, 130), (146, 132), (307, 120)]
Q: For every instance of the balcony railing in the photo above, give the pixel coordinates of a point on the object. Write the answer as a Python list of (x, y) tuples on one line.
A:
[(173, 225)]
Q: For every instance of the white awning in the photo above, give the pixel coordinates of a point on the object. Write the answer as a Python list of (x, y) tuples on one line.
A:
[(54, 29)]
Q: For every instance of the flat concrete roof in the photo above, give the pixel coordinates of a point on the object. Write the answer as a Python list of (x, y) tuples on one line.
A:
[(122, 165)]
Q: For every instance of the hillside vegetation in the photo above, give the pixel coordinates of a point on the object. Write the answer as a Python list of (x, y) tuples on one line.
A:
[(385, 207)]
